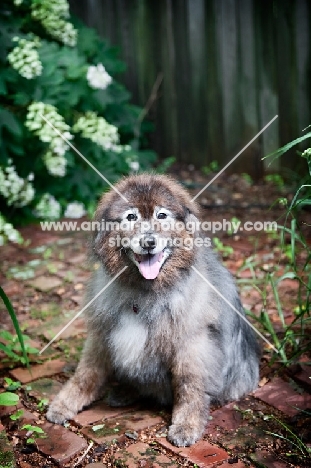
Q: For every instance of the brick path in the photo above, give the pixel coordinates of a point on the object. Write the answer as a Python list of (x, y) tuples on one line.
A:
[(139, 434), (136, 435)]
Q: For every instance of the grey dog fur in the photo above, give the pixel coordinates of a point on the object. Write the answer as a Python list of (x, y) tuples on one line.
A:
[(186, 346)]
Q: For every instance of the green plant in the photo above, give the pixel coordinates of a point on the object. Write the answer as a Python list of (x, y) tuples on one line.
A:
[(33, 433), (11, 346), (165, 165), (275, 179), (211, 167), (294, 338), (247, 178), (8, 399), (17, 343), (17, 415), (58, 77), (42, 404), (235, 223), (299, 448), (221, 248), (12, 385)]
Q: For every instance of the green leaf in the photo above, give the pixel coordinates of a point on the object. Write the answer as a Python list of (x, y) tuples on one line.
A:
[(6, 335), (8, 399), (8, 120), (288, 146), (18, 414), (10, 309), (288, 275), (38, 430), (3, 88), (9, 352), (11, 385), (30, 441)]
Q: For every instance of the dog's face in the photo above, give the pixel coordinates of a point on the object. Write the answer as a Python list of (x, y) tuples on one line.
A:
[(148, 233)]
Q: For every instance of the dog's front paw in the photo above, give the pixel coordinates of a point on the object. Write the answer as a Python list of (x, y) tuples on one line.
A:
[(58, 413), (182, 436)]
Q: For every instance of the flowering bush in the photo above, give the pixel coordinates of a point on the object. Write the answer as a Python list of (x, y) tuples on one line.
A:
[(58, 88)]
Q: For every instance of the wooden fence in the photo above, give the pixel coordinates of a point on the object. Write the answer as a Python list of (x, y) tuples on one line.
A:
[(228, 67)]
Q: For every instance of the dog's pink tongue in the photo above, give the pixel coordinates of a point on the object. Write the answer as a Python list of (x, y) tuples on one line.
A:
[(150, 265)]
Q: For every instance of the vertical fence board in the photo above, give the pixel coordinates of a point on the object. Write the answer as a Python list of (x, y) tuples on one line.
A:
[(302, 30), (226, 22), (184, 111), (196, 72), (169, 101), (247, 87), (212, 98), (286, 73), (266, 71)]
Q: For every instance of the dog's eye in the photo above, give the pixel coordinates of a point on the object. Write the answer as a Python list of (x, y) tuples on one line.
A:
[(161, 215), (131, 217)]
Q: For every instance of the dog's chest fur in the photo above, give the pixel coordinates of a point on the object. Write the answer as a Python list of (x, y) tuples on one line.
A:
[(128, 342), (140, 353), (140, 332)]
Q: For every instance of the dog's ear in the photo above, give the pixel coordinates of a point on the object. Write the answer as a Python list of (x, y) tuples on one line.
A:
[(99, 222)]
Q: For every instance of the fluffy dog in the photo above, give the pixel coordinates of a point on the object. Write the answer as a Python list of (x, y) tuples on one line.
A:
[(159, 327)]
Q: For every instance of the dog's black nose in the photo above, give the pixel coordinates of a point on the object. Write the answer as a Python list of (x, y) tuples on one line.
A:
[(148, 242)]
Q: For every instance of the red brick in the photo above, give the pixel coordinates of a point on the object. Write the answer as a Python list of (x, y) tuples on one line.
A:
[(38, 371), (45, 283), (227, 418), (268, 460), (202, 453), (79, 259), (60, 444), (141, 454), (11, 288), (99, 411), (76, 328), (282, 396), (304, 375), (115, 428), (249, 437), (45, 388)]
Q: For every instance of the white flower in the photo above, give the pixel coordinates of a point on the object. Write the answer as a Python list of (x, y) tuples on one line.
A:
[(51, 14), (25, 58), (97, 77), (134, 166), (8, 232), (17, 191), (55, 164), (75, 210), (48, 207), (54, 157), (98, 130), (306, 153)]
